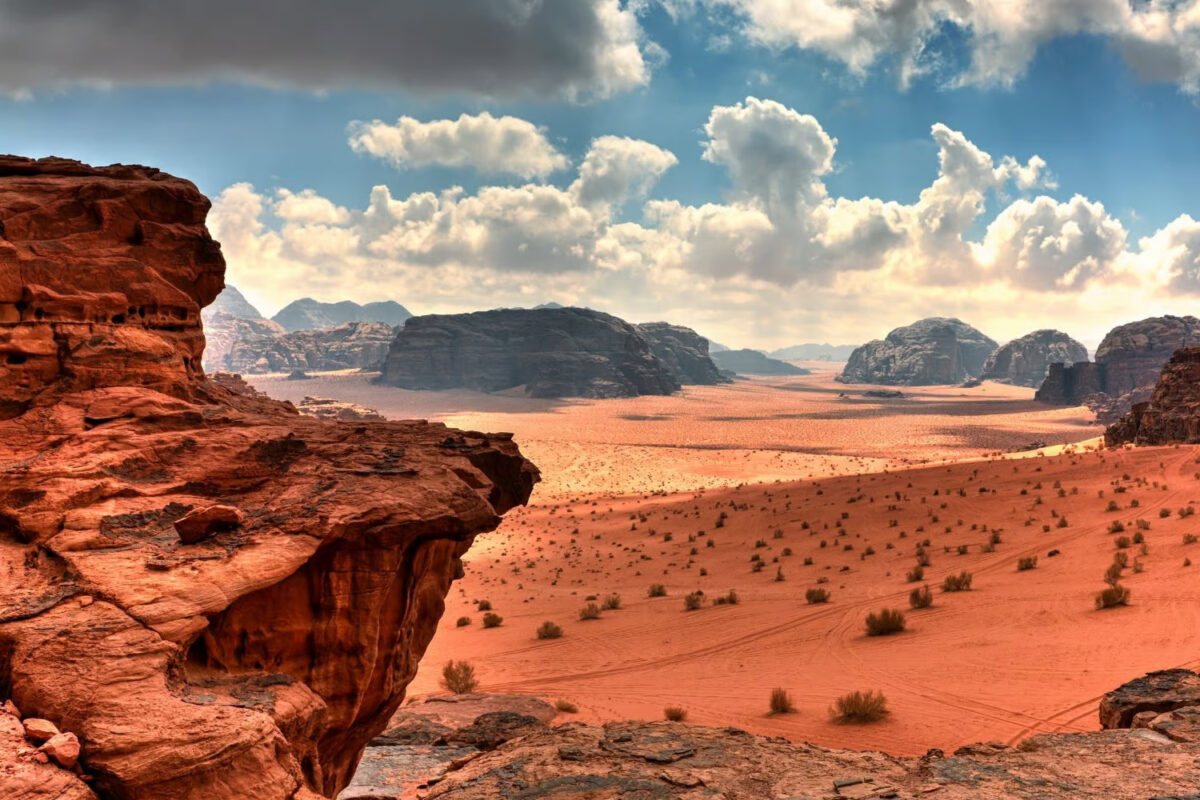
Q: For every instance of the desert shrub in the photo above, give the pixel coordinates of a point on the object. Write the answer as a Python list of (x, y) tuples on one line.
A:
[(1189, 538), (962, 549), (1123, 542), (459, 677), (692, 601), (781, 702), (957, 583), (657, 590), (1026, 563), (549, 630), (915, 574), (483, 605), (675, 713), (1112, 596), (590, 611), (1163, 513), (731, 598), (1112, 506), (859, 707), (612, 602), (565, 706), (816, 595), (492, 620), (462, 622), (759, 566), (920, 597), (1062, 522), (886, 621), (1116, 527)]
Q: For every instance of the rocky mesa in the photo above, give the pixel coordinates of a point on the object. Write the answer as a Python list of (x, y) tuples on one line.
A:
[(552, 352), (1025, 361), (929, 352), (205, 593)]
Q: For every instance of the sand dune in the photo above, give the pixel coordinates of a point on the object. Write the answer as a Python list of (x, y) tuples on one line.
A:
[(791, 465)]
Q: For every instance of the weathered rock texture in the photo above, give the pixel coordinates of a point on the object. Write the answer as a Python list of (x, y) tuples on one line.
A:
[(1153, 753), (1173, 412), (1128, 363), (257, 662), (354, 345), (753, 362), (552, 352), (1025, 361), (225, 332), (684, 351), (932, 351), (229, 301), (308, 314)]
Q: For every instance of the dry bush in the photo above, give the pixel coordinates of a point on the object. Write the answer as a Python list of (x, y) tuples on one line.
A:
[(1112, 596), (957, 583), (657, 590), (1026, 563), (590, 611), (693, 601), (886, 621), (781, 702), (813, 596), (549, 630), (921, 597), (491, 620), (859, 707), (459, 677), (612, 602), (565, 706), (675, 713), (462, 622), (915, 574)]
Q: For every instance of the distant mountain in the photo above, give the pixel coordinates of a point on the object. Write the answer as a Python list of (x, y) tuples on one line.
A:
[(550, 305), (753, 362), (716, 347), (309, 314), (231, 301), (814, 352)]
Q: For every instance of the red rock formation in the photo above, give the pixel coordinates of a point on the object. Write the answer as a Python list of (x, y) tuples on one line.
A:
[(260, 660), (1172, 413)]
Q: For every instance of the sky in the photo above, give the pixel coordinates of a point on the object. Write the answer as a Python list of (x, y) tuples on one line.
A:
[(766, 171)]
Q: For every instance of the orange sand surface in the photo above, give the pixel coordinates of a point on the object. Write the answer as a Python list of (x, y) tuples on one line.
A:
[(1022, 652)]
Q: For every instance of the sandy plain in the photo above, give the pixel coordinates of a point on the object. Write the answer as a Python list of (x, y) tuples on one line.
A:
[(826, 488)]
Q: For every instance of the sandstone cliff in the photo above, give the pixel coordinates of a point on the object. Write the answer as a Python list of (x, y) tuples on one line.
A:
[(1172, 413), (684, 351), (1128, 363), (559, 352), (1025, 361), (354, 345), (932, 351), (215, 596)]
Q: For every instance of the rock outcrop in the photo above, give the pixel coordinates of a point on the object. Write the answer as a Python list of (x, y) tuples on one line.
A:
[(354, 345), (1026, 361), (1172, 413), (754, 362), (230, 301), (552, 352), (1150, 752), (224, 333), (684, 351), (307, 314), (257, 661), (933, 351), (1128, 363)]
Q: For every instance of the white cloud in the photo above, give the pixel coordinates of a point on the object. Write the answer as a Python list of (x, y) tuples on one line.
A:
[(491, 145), (1159, 39), (779, 259)]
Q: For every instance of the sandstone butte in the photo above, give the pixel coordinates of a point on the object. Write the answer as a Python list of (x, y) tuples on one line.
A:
[(256, 662)]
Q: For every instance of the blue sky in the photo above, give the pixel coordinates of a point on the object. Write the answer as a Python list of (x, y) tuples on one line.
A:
[(1104, 132)]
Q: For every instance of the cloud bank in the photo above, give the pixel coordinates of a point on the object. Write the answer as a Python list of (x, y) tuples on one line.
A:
[(779, 258)]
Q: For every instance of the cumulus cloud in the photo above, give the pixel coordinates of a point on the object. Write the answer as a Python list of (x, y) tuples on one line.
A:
[(779, 253), (485, 143), (1159, 39), (577, 49)]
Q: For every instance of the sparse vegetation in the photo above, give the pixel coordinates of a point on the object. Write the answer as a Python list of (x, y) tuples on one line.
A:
[(459, 677), (693, 601), (884, 622), (675, 713), (859, 708), (816, 595), (612, 602), (589, 612), (565, 706), (1026, 563), (492, 620), (920, 597), (957, 583), (657, 590), (462, 622), (781, 702), (549, 630)]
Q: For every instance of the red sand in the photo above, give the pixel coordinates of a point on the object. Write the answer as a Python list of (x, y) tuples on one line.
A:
[(1022, 652)]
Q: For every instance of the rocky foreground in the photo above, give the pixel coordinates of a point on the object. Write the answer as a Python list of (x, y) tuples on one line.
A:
[(203, 593)]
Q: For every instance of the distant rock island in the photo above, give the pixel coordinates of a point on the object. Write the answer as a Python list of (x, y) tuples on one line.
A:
[(551, 352), (1127, 366), (929, 352), (239, 339), (754, 362), (814, 352), (308, 314), (1025, 361), (684, 351)]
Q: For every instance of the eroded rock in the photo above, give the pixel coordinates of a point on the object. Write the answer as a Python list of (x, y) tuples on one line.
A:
[(933, 351), (1026, 361), (1172, 413)]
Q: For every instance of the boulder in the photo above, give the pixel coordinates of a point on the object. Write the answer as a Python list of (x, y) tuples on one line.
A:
[(933, 351), (1165, 690), (63, 749), (255, 666), (324, 408), (684, 351), (1025, 361), (551, 352), (753, 362), (39, 730)]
